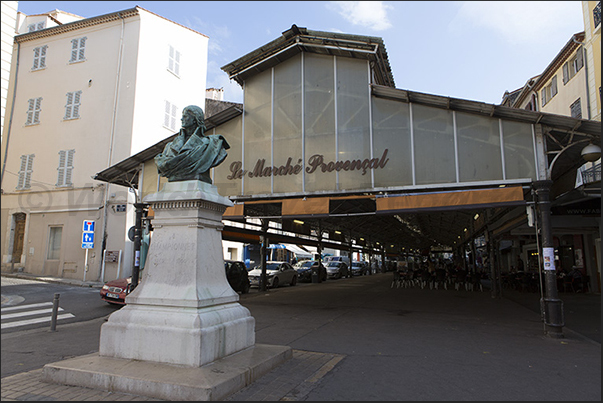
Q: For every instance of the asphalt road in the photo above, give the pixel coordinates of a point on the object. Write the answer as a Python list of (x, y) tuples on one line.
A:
[(395, 343)]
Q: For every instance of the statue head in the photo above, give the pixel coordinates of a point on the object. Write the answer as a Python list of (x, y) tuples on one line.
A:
[(198, 114)]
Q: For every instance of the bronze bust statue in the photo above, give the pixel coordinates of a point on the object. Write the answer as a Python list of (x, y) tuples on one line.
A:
[(191, 154)]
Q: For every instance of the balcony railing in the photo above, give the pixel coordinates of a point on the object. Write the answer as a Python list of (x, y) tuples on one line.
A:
[(592, 175)]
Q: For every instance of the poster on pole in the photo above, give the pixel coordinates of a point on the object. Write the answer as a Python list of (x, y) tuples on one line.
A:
[(548, 256)]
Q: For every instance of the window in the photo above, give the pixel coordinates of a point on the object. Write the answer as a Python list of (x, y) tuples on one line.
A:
[(597, 14), (573, 66), (24, 181), (576, 109), (33, 111), (174, 61), (169, 119), (65, 169), (36, 26), (549, 91), (39, 59), (78, 47), (72, 108), (54, 243)]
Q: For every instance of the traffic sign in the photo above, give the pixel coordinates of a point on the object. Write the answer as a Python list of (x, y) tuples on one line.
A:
[(88, 240), (88, 226), (88, 235)]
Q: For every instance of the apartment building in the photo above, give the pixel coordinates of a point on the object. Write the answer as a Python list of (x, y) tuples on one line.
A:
[(571, 84), (84, 94)]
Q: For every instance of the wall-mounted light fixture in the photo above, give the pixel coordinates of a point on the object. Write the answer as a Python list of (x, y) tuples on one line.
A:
[(591, 152)]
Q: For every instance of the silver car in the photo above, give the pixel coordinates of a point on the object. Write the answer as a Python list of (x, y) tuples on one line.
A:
[(337, 269), (277, 273)]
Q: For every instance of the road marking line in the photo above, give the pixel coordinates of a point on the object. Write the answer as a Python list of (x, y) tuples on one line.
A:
[(14, 308), (28, 313), (32, 321)]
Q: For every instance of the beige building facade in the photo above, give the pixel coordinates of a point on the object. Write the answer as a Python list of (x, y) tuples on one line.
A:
[(88, 92)]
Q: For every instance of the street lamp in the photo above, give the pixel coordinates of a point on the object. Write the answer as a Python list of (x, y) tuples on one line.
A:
[(591, 152)]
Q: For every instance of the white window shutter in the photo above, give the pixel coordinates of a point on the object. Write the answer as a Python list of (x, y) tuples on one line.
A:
[(30, 111), (28, 172), (174, 112), (76, 104), (61, 169), (82, 48), (69, 167), (74, 46), (43, 56), (177, 64), (36, 58), (166, 116), (69, 105)]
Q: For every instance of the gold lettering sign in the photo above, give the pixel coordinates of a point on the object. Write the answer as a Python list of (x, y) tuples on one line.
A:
[(316, 164)]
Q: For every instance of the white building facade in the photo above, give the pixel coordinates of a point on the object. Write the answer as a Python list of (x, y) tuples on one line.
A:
[(88, 92)]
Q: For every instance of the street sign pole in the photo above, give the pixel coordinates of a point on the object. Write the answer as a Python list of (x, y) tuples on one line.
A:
[(86, 264)]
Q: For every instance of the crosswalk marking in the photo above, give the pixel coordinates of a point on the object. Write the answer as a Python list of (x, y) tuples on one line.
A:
[(21, 311), (32, 321), (21, 307), (28, 313)]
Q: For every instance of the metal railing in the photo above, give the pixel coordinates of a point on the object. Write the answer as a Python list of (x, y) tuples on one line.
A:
[(592, 175)]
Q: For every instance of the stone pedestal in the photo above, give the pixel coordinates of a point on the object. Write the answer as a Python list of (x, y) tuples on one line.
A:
[(183, 311)]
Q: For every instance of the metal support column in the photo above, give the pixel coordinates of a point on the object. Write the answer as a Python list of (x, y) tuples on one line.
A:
[(264, 241), (553, 306)]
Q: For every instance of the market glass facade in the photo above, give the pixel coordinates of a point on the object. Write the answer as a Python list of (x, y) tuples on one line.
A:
[(310, 125)]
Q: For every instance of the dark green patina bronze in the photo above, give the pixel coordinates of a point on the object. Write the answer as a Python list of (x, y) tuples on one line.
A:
[(191, 154)]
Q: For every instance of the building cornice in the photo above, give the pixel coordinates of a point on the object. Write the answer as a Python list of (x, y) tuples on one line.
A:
[(75, 25)]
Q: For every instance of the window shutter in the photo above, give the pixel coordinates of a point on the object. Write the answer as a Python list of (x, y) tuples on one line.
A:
[(173, 122), (543, 96), (37, 109), (43, 56), (76, 104), (22, 171), (82, 48), (554, 86), (61, 169), (69, 167), (576, 109), (28, 171), (579, 60), (171, 59), (166, 117), (74, 43), (36, 60), (69, 105), (177, 64), (565, 73), (30, 111)]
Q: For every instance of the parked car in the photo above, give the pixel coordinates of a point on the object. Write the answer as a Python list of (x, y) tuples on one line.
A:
[(360, 268), (237, 275), (305, 268), (277, 273), (114, 292), (337, 269), (344, 259)]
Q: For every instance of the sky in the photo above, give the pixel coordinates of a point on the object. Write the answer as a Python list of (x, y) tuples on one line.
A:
[(474, 50)]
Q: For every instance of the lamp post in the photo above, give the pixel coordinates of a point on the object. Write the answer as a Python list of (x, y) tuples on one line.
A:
[(553, 306)]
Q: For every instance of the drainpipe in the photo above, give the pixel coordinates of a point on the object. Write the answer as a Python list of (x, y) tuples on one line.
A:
[(113, 118), (12, 112), (585, 74)]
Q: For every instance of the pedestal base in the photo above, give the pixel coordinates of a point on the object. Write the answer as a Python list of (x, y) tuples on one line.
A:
[(215, 381), (183, 311)]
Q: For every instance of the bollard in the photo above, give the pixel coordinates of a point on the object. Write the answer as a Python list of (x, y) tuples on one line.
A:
[(55, 310)]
